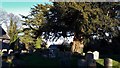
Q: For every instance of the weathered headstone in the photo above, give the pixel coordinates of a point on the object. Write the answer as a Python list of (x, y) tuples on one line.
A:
[(95, 55), (10, 51), (24, 51), (108, 63), (90, 61), (89, 56), (4, 50)]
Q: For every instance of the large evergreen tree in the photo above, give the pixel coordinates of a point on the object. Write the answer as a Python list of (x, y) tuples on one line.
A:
[(83, 20)]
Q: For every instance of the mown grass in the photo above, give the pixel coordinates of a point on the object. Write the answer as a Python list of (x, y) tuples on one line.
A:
[(116, 64)]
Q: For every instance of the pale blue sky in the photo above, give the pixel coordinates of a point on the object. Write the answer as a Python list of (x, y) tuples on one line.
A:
[(25, 0), (19, 7)]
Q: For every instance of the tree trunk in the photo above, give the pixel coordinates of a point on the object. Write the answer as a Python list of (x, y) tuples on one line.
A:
[(77, 46)]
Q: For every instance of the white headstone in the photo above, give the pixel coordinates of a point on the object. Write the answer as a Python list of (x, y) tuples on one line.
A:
[(4, 50), (24, 51), (10, 51), (96, 55)]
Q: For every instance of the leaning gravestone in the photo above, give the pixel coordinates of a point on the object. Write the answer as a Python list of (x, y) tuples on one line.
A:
[(91, 63), (95, 55)]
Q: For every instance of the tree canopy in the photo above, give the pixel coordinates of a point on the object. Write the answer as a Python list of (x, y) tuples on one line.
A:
[(82, 19), (79, 19)]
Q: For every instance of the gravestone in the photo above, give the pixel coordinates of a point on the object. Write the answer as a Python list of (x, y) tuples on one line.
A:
[(9, 52), (89, 56), (4, 50), (95, 55), (91, 63), (24, 51), (108, 63)]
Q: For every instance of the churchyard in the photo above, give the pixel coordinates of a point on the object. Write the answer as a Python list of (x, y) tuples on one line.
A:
[(61, 35), (56, 58)]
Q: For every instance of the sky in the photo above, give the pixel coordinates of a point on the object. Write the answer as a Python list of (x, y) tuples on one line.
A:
[(19, 7), (23, 7)]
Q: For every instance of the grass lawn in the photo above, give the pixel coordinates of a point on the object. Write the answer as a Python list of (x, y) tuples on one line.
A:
[(116, 64), (36, 60)]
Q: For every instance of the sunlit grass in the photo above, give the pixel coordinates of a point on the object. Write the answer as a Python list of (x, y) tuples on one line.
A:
[(116, 64), (1, 53)]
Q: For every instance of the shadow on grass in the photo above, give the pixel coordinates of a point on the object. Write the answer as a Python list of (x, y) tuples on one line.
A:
[(99, 65)]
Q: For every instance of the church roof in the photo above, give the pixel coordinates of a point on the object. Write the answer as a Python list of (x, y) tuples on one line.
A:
[(3, 34)]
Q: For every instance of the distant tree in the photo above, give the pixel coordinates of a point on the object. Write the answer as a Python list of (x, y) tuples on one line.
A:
[(13, 33)]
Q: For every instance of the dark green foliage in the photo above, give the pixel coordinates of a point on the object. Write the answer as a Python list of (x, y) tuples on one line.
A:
[(81, 19), (13, 33)]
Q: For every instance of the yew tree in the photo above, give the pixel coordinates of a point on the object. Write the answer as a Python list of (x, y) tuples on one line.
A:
[(79, 19)]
